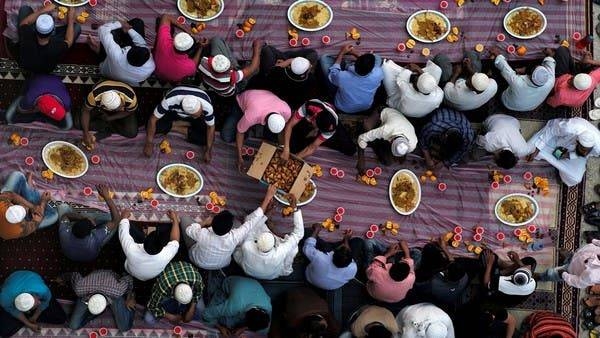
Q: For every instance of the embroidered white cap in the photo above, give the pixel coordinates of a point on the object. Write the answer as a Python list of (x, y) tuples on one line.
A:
[(594, 114), (24, 302), (183, 41), (110, 100), (15, 214), (399, 147), (436, 330), (276, 123), (426, 83), (183, 293), (480, 81), (44, 24), (540, 76), (300, 65), (586, 139), (96, 304), (191, 104), (265, 242), (582, 81), (220, 63)]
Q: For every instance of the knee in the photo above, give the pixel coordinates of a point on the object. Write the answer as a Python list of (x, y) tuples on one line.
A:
[(75, 324), (130, 132), (149, 318), (217, 41)]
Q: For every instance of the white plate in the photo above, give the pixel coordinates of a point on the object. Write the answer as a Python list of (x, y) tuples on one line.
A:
[(180, 4), (279, 197), (535, 204), (180, 165), (417, 184), (70, 4), (507, 16), (300, 2), (49, 146), (414, 36)]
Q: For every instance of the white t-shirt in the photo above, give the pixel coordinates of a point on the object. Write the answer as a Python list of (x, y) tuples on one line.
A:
[(459, 96), (503, 132)]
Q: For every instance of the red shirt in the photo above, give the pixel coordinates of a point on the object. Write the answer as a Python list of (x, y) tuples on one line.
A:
[(567, 95), (382, 287), (170, 65)]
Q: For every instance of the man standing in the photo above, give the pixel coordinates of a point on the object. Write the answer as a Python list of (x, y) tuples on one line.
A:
[(353, 87), (176, 295), (573, 90), (41, 46), (186, 110), (579, 269), (469, 93), (504, 140), (99, 289), (566, 144)]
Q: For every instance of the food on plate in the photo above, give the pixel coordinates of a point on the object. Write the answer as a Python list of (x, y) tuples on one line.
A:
[(282, 174), (525, 22), (428, 26), (308, 192), (310, 14), (65, 160), (516, 209), (404, 193), (285, 212), (202, 8), (179, 180)]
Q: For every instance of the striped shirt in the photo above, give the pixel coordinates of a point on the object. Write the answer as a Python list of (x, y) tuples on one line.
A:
[(311, 109), (442, 120), (124, 90), (222, 83), (172, 103), (174, 273), (105, 282)]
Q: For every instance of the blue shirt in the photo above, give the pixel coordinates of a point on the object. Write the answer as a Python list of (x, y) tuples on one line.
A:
[(41, 84), (442, 120), (321, 272), (236, 296), (355, 93), (23, 282), (81, 249)]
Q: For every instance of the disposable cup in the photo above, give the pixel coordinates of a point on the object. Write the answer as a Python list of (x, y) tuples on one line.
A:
[(103, 331), (93, 334), (181, 20), (293, 42), (326, 39), (511, 49), (93, 3), (338, 218), (527, 175), (239, 33), (576, 36), (370, 173), (457, 237), (87, 191), (24, 141), (479, 230), (443, 4), (177, 330), (209, 206), (458, 230), (333, 171), (95, 159), (477, 237), (250, 151), (340, 210), (373, 228), (531, 228), (401, 47), (369, 234), (517, 232), (29, 160), (377, 171), (154, 203), (340, 173), (507, 179), (305, 41), (500, 236), (216, 209), (500, 37), (442, 186), (190, 155), (495, 185)]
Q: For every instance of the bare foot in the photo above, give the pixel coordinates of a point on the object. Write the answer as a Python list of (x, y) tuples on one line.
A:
[(93, 44)]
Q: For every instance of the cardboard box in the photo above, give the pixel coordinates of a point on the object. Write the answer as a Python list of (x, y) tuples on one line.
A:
[(261, 161)]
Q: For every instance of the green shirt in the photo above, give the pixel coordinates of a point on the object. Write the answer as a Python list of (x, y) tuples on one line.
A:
[(173, 274)]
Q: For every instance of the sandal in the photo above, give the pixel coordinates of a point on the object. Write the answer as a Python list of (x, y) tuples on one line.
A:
[(593, 290), (588, 301), (589, 208)]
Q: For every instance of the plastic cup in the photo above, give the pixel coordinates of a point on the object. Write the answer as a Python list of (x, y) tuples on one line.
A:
[(479, 230), (239, 33), (87, 191), (326, 39), (216, 209), (442, 186), (377, 171), (154, 203), (500, 236), (209, 206), (47, 2), (293, 42), (181, 20), (457, 237), (340, 210), (340, 174), (500, 37), (527, 175), (24, 141), (531, 228), (93, 3), (507, 179), (443, 4), (458, 230), (507, 1), (177, 330), (29, 160), (305, 42), (370, 173), (495, 185), (190, 155), (103, 331), (597, 102), (511, 49), (401, 47), (338, 218), (373, 228), (477, 237), (333, 171), (576, 36), (250, 151), (93, 334), (517, 232), (95, 159), (369, 234)]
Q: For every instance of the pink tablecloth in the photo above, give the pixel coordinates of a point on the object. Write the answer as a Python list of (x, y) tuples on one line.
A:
[(382, 23)]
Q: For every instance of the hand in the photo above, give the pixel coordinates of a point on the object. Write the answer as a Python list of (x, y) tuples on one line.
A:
[(103, 191), (495, 51), (125, 26), (148, 148), (548, 51), (414, 68), (316, 227), (174, 319), (347, 233), (430, 163), (513, 256), (207, 156), (125, 213), (238, 332), (293, 200), (442, 243), (89, 141), (130, 302), (270, 207), (285, 155), (346, 49), (280, 63), (257, 44), (34, 327), (71, 15), (466, 62), (45, 197), (48, 7), (456, 69), (489, 256), (240, 165), (225, 332), (173, 216), (360, 166), (394, 249), (532, 156), (203, 42), (271, 192), (521, 70), (38, 210)]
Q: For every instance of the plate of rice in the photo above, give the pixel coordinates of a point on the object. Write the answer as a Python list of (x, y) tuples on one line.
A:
[(310, 15)]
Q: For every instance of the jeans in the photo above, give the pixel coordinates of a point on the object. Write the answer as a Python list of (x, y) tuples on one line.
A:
[(185, 222), (326, 61), (230, 125), (14, 109), (269, 56), (53, 314), (170, 305), (100, 218), (123, 316), (554, 274), (59, 33), (17, 183), (373, 248)]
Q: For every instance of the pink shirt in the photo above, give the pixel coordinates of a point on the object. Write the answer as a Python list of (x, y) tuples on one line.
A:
[(170, 65), (256, 105), (566, 95), (382, 287), (584, 268)]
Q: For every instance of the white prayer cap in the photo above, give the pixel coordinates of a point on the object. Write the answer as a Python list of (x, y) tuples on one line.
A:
[(399, 146), (110, 100), (300, 65), (586, 139), (582, 81), (540, 76), (96, 304), (594, 114), (15, 214), (183, 293), (276, 123), (44, 24), (24, 302), (480, 81), (436, 330), (220, 63), (183, 41), (265, 242), (426, 83), (191, 104)]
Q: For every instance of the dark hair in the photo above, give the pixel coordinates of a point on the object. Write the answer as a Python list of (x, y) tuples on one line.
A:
[(222, 222), (364, 64), (43, 36), (326, 121), (506, 159), (529, 261), (82, 228), (256, 319), (452, 143), (314, 326), (342, 256), (137, 56), (399, 271), (153, 243), (455, 272), (378, 331)]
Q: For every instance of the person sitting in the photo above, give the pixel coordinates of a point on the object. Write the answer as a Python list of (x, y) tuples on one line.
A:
[(83, 234), (504, 140), (176, 295), (265, 255), (352, 86), (389, 282), (507, 282), (45, 99), (524, 92), (371, 321), (303, 314), (424, 320), (23, 209), (314, 124), (414, 95), (289, 74), (26, 300), (239, 304), (477, 319), (174, 55), (469, 92), (447, 137), (186, 110), (96, 291), (566, 144), (41, 46), (331, 269), (471, 64), (573, 90), (109, 108), (220, 71), (146, 261), (123, 52), (210, 246), (578, 269), (395, 136)]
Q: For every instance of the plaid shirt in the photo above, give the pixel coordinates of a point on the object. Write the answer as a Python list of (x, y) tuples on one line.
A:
[(105, 282), (174, 273), (442, 120)]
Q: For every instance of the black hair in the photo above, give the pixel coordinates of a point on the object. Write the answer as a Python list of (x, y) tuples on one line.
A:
[(579, 148), (222, 222), (506, 159), (153, 243), (529, 261), (43, 36), (82, 228), (399, 271), (342, 256), (455, 272), (364, 64), (451, 144), (326, 121), (137, 56), (256, 319), (378, 331), (314, 326)]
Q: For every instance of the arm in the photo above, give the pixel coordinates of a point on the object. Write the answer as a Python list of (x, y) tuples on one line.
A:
[(189, 313), (507, 72), (70, 34), (154, 304), (489, 257), (210, 140), (336, 69), (239, 143), (30, 19), (310, 149), (287, 135), (150, 132), (175, 226), (405, 249), (456, 70), (511, 326), (166, 19), (85, 126), (589, 60), (137, 39), (114, 211), (255, 62), (17, 199), (106, 37), (309, 249)]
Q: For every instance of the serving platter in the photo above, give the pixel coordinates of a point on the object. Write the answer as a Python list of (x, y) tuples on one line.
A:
[(172, 193), (300, 3), (46, 158), (513, 224), (416, 184), (427, 13), (509, 15), (182, 7), (75, 3), (279, 196)]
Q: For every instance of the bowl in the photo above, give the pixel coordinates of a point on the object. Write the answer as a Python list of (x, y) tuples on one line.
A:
[(55, 169), (509, 15), (281, 198), (514, 224), (437, 14), (416, 184), (294, 6)]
